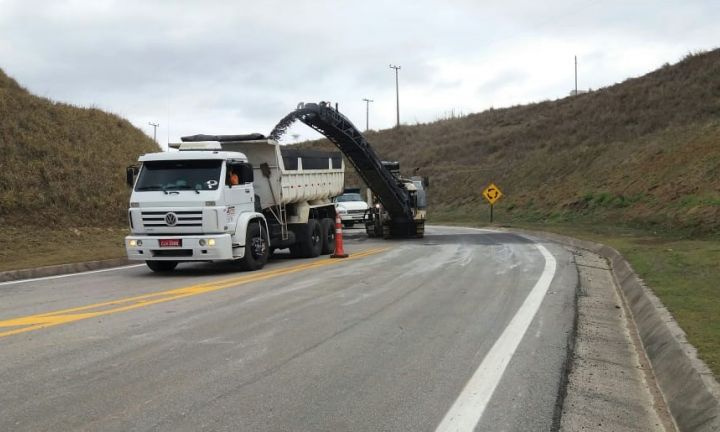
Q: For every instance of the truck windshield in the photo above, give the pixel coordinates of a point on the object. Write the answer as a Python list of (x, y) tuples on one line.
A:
[(179, 175), (349, 197)]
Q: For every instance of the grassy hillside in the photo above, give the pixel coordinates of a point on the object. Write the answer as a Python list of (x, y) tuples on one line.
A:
[(63, 166), (635, 165), (644, 152)]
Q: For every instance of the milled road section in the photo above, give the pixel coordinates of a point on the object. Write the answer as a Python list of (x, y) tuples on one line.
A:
[(392, 339)]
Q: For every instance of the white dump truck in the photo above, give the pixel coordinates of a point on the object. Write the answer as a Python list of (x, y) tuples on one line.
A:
[(232, 197)]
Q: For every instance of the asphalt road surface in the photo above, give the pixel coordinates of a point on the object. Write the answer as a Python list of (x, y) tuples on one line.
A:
[(463, 330)]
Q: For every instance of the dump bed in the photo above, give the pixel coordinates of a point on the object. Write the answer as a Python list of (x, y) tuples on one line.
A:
[(285, 175)]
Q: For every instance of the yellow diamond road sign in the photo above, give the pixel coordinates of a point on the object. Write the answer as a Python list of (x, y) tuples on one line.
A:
[(492, 193)]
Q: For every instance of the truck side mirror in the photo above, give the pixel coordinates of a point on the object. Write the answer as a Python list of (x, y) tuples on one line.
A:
[(426, 182), (130, 173)]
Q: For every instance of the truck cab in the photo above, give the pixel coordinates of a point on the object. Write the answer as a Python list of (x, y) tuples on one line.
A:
[(183, 207)]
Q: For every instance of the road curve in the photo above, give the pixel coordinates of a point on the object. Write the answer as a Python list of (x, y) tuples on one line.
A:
[(465, 329)]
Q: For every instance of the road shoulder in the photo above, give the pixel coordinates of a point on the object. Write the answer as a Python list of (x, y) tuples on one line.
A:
[(62, 269), (609, 385), (686, 383)]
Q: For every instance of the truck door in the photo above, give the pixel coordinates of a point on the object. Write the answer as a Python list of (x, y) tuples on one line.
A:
[(238, 189)]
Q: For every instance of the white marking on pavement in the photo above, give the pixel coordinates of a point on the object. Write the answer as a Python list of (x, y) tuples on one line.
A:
[(70, 274), (465, 413)]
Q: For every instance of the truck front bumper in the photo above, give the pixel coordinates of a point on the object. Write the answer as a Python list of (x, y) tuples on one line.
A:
[(352, 217), (147, 248)]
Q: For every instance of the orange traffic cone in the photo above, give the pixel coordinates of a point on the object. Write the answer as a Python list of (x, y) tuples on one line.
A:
[(339, 251)]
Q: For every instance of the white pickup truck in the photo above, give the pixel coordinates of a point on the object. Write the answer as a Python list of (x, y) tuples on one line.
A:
[(231, 197), (351, 207)]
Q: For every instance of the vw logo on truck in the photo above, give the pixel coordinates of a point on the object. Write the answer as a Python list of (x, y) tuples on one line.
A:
[(171, 219)]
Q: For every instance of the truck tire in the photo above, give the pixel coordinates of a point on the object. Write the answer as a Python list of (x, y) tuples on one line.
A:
[(161, 266), (257, 249), (295, 251), (327, 226), (311, 241)]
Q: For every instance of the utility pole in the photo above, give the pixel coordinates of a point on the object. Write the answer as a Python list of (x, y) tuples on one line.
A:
[(576, 76), (367, 113), (155, 126), (397, 93)]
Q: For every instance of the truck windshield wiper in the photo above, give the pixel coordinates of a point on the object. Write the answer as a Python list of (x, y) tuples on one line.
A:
[(185, 187), (150, 188)]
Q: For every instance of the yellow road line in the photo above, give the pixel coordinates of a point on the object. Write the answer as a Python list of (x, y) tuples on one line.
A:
[(50, 319)]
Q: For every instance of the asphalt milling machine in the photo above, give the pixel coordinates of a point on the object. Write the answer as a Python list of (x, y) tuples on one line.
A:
[(400, 203)]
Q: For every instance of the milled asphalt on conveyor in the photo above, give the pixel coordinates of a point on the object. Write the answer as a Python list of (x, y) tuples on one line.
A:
[(384, 342)]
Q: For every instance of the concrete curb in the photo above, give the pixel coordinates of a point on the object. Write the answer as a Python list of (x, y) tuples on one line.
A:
[(61, 269), (691, 392)]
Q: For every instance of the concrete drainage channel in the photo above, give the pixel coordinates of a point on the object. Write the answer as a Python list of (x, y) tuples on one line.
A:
[(689, 390)]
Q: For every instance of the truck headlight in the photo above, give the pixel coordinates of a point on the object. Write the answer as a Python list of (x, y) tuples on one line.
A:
[(211, 242), (135, 243), (342, 210)]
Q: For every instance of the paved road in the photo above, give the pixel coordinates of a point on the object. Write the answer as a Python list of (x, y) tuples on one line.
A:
[(463, 329)]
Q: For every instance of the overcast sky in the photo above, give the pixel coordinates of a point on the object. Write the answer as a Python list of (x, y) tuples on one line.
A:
[(240, 66)]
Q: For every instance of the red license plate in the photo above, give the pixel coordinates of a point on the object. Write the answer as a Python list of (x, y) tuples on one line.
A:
[(170, 242)]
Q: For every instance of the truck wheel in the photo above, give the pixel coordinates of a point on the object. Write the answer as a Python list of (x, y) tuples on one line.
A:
[(256, 248), (311, 243), (162, 266), (327, 226)]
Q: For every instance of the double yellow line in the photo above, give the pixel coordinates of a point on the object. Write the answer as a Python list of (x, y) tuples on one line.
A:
[(50, 319)]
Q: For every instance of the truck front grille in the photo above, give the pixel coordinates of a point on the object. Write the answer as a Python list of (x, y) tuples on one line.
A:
[(188, 218)]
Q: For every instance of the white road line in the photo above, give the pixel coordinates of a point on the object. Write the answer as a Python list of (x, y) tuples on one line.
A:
[(70, 275), (465, 413)]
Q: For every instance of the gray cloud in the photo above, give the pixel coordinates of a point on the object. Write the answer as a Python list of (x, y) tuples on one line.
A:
[(237, 65)]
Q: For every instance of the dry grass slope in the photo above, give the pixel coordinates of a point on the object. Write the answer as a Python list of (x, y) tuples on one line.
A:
[(643, 152), (62, 165)]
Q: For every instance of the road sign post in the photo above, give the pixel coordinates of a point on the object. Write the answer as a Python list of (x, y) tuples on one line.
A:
[(492, 193)]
